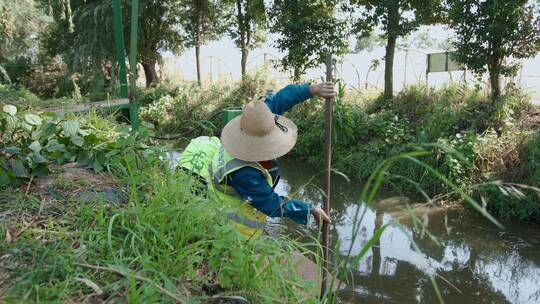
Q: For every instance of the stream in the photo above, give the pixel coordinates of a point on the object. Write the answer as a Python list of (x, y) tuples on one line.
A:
[(475, 262)]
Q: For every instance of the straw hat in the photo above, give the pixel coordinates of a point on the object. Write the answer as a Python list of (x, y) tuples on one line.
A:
[(258, 134)]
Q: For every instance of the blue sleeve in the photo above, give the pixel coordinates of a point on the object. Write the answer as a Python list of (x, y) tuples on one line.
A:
[(288, 97), (252, 186)]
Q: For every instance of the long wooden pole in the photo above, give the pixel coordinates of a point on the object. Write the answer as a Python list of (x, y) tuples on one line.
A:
[(327, 178)]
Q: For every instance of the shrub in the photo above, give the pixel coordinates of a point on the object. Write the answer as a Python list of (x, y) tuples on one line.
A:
[(521, 170), (17, 95), (185, 108), (482, 136)]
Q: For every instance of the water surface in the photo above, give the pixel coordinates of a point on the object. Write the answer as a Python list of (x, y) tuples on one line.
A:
[(476, 262)]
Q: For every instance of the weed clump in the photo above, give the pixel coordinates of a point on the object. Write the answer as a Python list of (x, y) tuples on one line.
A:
[(471, 140)]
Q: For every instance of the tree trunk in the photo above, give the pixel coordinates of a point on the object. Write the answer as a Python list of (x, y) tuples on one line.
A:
[(198, 43), (150, 73), (389, 67), (242, 32), (198, 61), (297, 74), (495, 82), (245, 53), (391, 32)]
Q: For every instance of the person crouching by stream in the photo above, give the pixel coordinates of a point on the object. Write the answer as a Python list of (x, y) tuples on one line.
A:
[(241, 170)]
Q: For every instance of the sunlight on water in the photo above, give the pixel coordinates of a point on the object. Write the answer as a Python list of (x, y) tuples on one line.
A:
[(476, 262)]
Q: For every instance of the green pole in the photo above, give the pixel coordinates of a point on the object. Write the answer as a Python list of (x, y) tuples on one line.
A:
[(133, 109), (120, 48)]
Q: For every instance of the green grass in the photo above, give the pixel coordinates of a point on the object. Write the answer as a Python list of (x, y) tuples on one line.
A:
[(166, 243)]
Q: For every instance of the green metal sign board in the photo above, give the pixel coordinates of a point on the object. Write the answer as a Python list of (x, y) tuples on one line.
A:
[(442, 62)]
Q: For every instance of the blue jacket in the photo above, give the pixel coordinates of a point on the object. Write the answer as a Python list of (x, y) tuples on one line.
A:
[(251, 184)]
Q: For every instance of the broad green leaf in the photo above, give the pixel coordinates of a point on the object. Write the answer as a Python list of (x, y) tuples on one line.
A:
[(18, 169), (71, 127), (4, 178), (98, 167), (91, 139), (47, 130), (41, 170), (10, 109), (12, 150), (35, 146), (48, 115), (101, 158), (112, 153), (84, 158), (32, 119), (38, 158), (55, 146), (77, 140), (36, 135), (84, 132), (26, 126), (11, 122), (68, 156)]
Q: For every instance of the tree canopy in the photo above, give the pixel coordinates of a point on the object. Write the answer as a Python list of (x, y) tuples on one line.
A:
[(80, 36), (307, 32), (21, 23), (396, 18), (202, 21), (249, 27), (490, 35), (493, 35)]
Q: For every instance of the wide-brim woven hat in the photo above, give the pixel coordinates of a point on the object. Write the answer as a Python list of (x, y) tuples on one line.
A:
[(258, 134)]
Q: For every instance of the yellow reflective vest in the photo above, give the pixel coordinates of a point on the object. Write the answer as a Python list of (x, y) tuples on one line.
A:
[(206, 157)]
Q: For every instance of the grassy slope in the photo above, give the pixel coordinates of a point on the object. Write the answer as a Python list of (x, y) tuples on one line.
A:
[(165, 244)]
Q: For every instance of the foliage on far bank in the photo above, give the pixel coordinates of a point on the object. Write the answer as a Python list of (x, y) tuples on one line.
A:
[(491, 36), (489, 143), (486, 148)]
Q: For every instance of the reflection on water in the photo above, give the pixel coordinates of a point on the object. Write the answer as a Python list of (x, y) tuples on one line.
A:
[(475, 262)]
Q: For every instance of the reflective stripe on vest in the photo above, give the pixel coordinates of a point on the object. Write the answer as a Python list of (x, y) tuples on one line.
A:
[(248, 220), (272, 169), (244, 221), (224, 168)]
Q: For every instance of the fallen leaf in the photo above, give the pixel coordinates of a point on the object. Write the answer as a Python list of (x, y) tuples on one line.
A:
[(91, 285), (9, 239)]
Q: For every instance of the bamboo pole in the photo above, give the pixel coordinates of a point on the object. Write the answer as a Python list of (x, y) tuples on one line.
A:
[(327, 178), (134, 109)]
